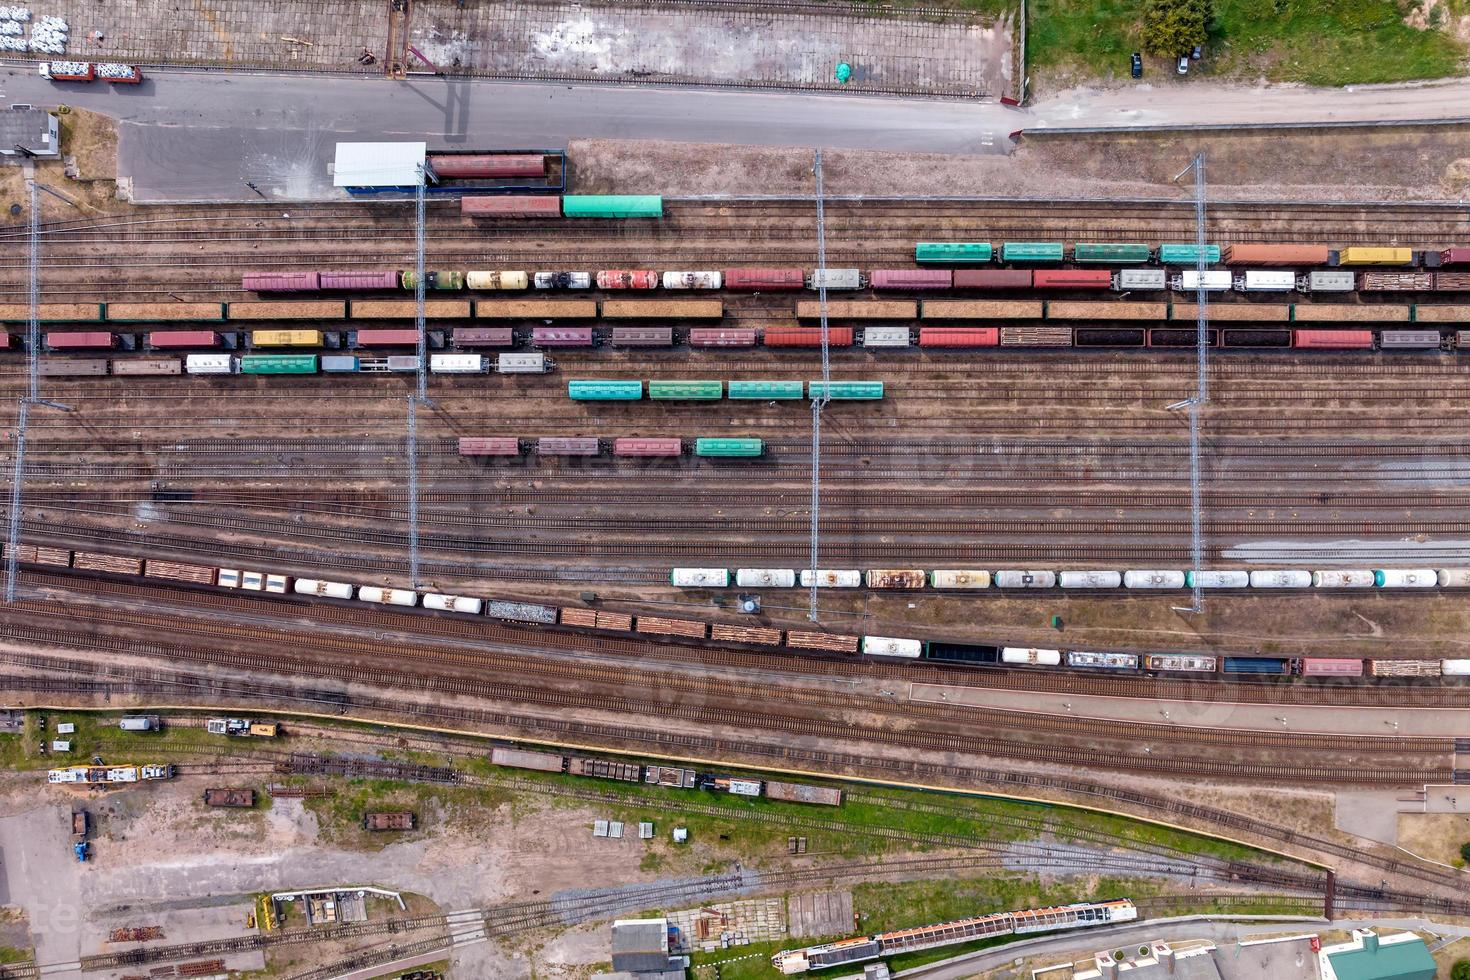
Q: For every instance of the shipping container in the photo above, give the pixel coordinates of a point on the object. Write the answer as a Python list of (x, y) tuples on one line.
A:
[(528, 759), (1409, 340), (765, 578), (568, 446), (1187, 254), (80, 340), (1332, 339), (803, 793), (1331, 667), (947, 578), (387, 338), (605, 390), (489, 446), (457, 363), (1224, 579), (721, 337), (522, 364), (726, 447), (1181, 337), (183, 338), (1153, 579), (1266, 281), (562, 280), (281, 282), (1030, 657), (909, 279), (1036, 336), (992, 279), (768, 390), (125, 366), (458, 165), (1009, 579), (1180, 663), (510, 206), (829, 642), (663, 309), (758, 635), (1255, 338), (278, 364), (562, 337), (643, 336), (835, 279), (692, 280), (1072, 279), (379, 279), (521, 612), (1297, 255), (764, 279), (1032, 252), (892, 646), (807, 337), (872, 309), (896, 578), (209, 364), (612, 206), (1143, 280), (1111, 253), (831, 578), (953, 252), (285, 338), (1362, 255), (845, 390), (686, 390), (1331, 282), (886, 337), (1103, 337), (1255, 665), (483, 337), (71, 367), (339, 363), (632, 446), (443, 280), (1396, 282), (1404, 668)]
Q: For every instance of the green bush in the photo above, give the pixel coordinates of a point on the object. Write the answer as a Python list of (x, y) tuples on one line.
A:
[(1465, 851), (1173, 27), (1461, 970)]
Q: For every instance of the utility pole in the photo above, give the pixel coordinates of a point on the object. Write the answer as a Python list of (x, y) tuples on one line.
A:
[(819, 403), (1201, 384), (421, 397)]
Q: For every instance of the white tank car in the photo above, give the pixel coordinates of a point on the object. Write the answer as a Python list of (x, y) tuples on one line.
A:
[(1455, 668), (692, 280), (453, 603), (697, 578), (1454, 578), (1218, 580), (387, 597), (1342, 578), (1151, 579), (1011, 579), (1031, 657), (959, 578), (1405, 578), (765, 578), (1282, 578), (891, 646), (832, 578), (316, 586), (1089, 580), (497, 280)]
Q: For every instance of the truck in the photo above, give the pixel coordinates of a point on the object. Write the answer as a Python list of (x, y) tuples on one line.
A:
[(68, 71), (80, 849), (140, 723)]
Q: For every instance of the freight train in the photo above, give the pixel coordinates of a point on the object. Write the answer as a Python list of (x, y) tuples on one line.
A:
[(109, 775)]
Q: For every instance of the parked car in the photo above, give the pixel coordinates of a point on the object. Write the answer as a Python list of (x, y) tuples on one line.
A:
[(1184, 64), (1197, 53), (1137, 65)]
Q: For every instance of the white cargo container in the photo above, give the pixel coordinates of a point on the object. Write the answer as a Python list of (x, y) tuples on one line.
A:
[(835, 279), (1454, 578), (959, 578), (1261, 281), (692, 280), (1030, 656), (453, 603), (1405, 578), (1216, 280), (1329, 282), (387, 597), (700, 578), (1089, 580), (891, 646), (832, 578), (457, 363), (496, 280), (765, 578), (275, 583), (1218, 580), (1011, 579), (254, 581), (403, 362), (1109, 661), (316, 586), (563, 280), (209, 364), (1145, 280), (1153, 579), (886, 337), (229, 578), (522, 364), (745, 787), (1342, 578), (1280, 578)]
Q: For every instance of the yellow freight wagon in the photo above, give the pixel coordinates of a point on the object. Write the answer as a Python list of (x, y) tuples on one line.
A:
[(1363, 255), (286, 338)]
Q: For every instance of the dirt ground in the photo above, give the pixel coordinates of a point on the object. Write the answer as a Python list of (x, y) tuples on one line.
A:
[(1393, 163), (85, 174), (1436, 836)]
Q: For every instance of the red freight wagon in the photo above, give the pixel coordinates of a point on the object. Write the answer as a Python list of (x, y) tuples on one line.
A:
[(1072, 279), (992, 279), (720, 337), (808, 337), (647, 447), (643, 336), (1333, 339), (484, 337), (761, 278), (183, 338), (959, 337), (1455, 256), (281, 282), (509, 206), (387, 338), (911, 279), (4, 341), (562, 337), (83, 340), (488, 165), (627, 279), (568, 446), (489, 446), (384, 279), (1329, 667)]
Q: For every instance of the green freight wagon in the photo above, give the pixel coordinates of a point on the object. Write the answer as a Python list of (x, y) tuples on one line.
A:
[(612, 206), (278, 364), (1111, 253), (728, 447), (1032, 252), (848, 390), (1187, 254), (443, 279), (604, 391), (686, 390), (765, 389), (953, 252)]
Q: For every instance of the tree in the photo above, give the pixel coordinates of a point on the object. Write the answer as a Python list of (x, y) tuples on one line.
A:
[(1172, 27), (1465, 853), (1461, 970)]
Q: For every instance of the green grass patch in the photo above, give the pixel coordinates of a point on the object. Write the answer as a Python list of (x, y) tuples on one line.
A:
[(14, 954), (1092, 38)]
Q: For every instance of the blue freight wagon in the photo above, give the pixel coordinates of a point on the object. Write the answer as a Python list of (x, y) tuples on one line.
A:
[(602, 391), (1255, 665)]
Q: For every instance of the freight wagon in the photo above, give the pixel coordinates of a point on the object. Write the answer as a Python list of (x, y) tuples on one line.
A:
[(647, 447), (642, 336), (764, 279), (765, 390), (568, 446), (910, 279), (728, 448), (845, 390), (612, 206), (562, 337), (605, 390), (721, 337), (497, 280), (953, 252), (1112, 253), (523, 364), (510, 206), (443, 279), (521, 612), (456, 165), (885, 337), (562, 280), (401, 820), (685, 390), (807, 337), (992, 279), (239, 798), (1032, 252), (380, 279), (1072, 279)]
